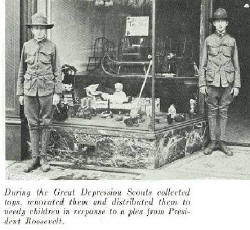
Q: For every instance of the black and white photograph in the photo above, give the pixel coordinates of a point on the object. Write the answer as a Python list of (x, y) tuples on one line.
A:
[(118, 89), (121, 92)]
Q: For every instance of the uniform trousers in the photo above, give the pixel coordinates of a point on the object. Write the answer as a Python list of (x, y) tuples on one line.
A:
[(218, 100), (38, 111)]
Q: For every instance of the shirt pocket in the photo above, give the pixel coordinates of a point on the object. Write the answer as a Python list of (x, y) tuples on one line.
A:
[(227, 50), (230, 72), (210, 75), (45, 57), (30, 58), (49, 82), (213, 50), (27, 81)]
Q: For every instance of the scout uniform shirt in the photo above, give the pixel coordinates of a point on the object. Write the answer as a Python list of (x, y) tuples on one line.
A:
[(219, 65), (39, 72)]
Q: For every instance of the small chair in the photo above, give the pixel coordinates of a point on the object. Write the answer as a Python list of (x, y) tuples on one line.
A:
[(181, 52), (101, 46), (133, 55)]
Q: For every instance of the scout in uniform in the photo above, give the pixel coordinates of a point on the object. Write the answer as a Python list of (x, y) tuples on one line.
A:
[(39, 87), (219, 80)]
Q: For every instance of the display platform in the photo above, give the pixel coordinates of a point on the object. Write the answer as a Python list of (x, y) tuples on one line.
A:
[(131, 148)]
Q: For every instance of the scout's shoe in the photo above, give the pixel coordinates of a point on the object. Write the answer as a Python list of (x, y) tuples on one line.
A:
[(210, 148), (225, 149), (33, 165), (44, 164)]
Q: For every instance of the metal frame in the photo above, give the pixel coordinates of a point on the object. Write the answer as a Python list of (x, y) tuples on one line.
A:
[(153, 61)]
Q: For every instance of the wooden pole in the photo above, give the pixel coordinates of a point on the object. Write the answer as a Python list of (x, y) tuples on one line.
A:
[(211, 10), (153, 62), (206, 12), (203, 25), (49, 17), (34, 6)]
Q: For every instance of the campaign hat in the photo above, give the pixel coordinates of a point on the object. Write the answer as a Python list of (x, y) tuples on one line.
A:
[(219, 14), (38, 19)]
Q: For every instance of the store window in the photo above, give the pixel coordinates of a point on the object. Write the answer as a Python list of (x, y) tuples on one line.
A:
[(177, 60), (106, 53)]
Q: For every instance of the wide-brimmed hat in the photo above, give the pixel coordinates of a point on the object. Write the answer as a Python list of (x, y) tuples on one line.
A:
[(219, 14), (39, 19)]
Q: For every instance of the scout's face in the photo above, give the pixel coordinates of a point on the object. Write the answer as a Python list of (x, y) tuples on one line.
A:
[(220, 25), (39, 32)]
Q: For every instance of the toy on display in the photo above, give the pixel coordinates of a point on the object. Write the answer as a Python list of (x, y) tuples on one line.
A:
[(118, 97), (68, 73), (68, 94), (180, 117), (169, 119), (174, 116), (67, 87), (107, 113), (172, 111), (119, 117), (193, 104), (60, 112), (86, 109), (133, 121), (92, 92)]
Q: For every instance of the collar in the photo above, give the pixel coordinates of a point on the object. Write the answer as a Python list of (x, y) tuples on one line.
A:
[(40, 42), (220, 34)]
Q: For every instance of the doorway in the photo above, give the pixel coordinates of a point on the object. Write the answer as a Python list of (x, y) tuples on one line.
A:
[(238, 130)]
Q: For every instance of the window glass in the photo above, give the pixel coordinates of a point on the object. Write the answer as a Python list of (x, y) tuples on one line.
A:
[(177, 61), (109, 44), (105, 47)]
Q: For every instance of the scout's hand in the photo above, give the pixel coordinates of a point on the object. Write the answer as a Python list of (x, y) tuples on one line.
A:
[(203, 90), (21, 99), (56, 99), (235, 92)]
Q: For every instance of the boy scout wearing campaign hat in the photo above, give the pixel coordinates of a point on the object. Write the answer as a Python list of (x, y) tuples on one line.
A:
[(39, 87), (219, 79)]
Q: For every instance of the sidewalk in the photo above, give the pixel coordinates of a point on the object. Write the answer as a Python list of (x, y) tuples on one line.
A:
[(195, 166), (200, 166)]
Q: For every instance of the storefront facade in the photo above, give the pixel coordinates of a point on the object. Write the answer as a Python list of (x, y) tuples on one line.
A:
[(152, 49)]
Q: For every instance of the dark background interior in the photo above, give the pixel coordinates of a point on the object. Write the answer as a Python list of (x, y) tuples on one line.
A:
[(239, 27)]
